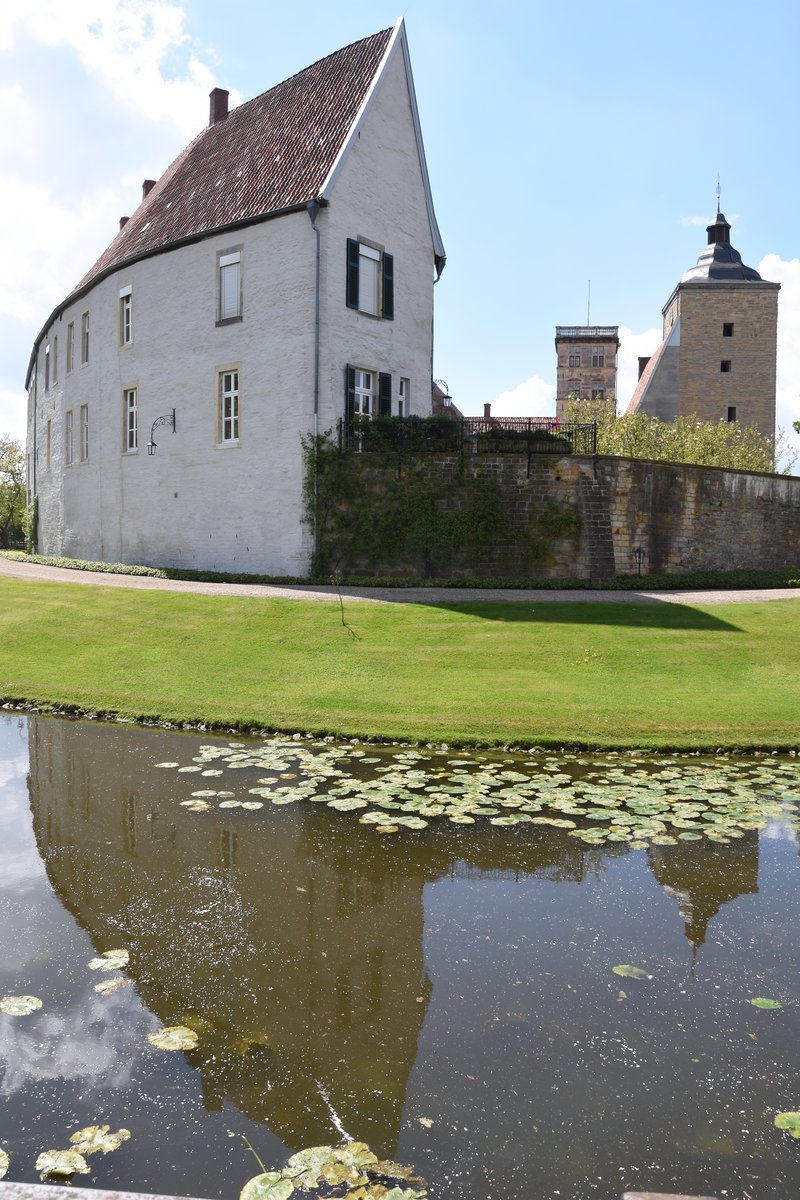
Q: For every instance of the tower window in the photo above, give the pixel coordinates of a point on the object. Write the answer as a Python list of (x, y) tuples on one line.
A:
[(731, 413), (725, 366), (598, 356), (574, 358), (727, 328)]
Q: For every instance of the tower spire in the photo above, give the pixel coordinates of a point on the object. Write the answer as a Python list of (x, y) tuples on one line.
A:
[(718, 191)]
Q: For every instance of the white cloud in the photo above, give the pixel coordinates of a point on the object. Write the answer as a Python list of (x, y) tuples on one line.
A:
[(787, 398), (701, 222), (124, 44), (533, 398), (97, 95)]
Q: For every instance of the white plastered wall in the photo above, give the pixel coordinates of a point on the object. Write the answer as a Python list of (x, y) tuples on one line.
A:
[(194, 503)]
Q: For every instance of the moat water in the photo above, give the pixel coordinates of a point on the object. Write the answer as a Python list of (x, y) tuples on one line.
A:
[(411, 948)]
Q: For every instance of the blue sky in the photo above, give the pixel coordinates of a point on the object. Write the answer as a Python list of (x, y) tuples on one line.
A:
[(565, 143)]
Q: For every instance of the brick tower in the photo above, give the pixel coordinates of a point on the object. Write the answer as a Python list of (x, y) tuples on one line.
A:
[(720, 332)]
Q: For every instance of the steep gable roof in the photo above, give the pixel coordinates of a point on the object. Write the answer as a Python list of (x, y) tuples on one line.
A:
[(270, 155)]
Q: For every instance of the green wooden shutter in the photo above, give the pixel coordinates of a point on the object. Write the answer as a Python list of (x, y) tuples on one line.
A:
[(388, 286), (384, 394), (352, 273), (350, 395)]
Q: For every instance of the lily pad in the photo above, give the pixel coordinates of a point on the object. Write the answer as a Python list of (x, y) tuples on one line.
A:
[(789, 1121), (305, 1167), (629, 972), (3, 1163), (62, 1164), (270, 1186), (107, 986), (19, 1006), (110, 960), (96, 1138), (764, 1002), (173, 1037)]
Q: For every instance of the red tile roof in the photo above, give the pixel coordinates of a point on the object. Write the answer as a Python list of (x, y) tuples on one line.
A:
[(270, 154)]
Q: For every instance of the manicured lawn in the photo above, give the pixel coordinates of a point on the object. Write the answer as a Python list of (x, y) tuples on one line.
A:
[(600, 673)]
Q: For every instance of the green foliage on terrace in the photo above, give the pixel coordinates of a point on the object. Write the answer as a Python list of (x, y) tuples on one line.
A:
[(428, 522), (684, 440)]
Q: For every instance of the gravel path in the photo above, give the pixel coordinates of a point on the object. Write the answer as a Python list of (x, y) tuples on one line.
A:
[(386, 595)]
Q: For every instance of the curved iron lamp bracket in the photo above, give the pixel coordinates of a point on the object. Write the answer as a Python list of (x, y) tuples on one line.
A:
[(167, 419)]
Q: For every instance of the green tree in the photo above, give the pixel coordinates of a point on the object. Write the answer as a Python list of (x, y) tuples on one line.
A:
[(796, 426), (12, 491), (685, 440)]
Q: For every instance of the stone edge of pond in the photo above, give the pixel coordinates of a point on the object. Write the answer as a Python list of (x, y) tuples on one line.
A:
[(44, 1191), (54, 1191), (547, 745), (663, 1196)]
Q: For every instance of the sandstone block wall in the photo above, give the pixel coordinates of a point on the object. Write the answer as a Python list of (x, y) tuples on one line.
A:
[(580, 519)]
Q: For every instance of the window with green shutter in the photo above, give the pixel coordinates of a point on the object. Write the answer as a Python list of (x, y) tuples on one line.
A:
[(370, 279)]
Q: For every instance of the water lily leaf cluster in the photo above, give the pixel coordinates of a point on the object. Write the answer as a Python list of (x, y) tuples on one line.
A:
[(109, 960), (61, 1164), (174, 1037), (765, 1003), (789, 1121), (3, 1163), (600, 800), (96, 1138), (631, 972), (19, 1006), (350, 1171)]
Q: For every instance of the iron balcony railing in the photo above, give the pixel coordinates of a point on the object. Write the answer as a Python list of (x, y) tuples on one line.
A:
[(469, 435)]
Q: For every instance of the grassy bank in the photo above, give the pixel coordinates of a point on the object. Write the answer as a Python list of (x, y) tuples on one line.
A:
[(601, 673)]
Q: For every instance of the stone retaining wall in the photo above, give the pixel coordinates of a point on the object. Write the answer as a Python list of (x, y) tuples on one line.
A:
[(581, 518)]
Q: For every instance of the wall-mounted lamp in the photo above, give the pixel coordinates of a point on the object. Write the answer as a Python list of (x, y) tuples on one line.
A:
[(167, 419), (446, 398)]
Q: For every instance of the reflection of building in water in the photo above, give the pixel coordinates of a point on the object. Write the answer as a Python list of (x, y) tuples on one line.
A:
[(702, 878), (292, 937)]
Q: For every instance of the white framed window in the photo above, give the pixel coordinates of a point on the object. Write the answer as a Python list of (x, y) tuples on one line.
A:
[(229, 286), (70, 347), (130, 421), (84, 433), (228, 407), (403, 399), (126, 315), (54, 364), (68, 438), (363, 393), (370, 279), (84, 338)]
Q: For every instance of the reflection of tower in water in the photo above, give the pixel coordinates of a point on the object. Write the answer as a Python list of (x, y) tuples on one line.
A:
[(703, 877), (292, 937)]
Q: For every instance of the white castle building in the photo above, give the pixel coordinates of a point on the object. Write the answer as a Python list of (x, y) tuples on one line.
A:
[(278, 277)]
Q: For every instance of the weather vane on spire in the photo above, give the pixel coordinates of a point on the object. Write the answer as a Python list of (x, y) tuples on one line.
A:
[(717, 191)]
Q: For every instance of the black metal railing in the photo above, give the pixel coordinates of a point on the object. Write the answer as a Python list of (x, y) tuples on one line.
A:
[(468, 435)]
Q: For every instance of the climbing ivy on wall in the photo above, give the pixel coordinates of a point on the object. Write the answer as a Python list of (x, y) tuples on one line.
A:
[(420, 514)]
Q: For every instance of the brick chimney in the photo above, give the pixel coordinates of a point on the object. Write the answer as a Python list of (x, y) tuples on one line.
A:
[(147, 187), (218, 107), (487, 412), (123, 221)]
